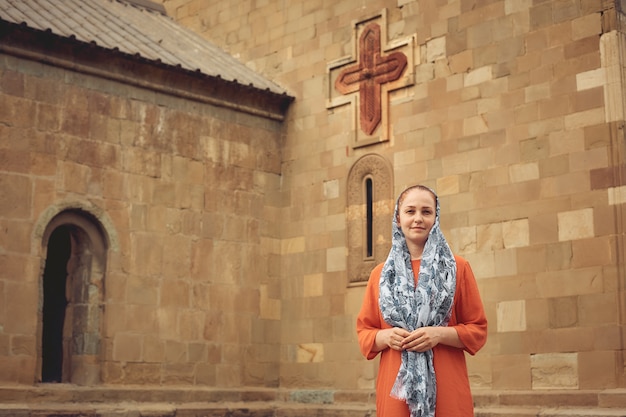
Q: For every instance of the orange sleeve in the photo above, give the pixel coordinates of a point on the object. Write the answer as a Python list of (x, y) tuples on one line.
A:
[(471, 322), (368, 321)]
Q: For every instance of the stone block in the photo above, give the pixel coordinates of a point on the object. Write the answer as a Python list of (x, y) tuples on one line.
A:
[(577, 65), (537, 314), (20, 370), (336, 259), (22, 114), (140, 318), (461, 62), (85, 370), (23, 345), (175, 293), (604, 223), (175, 352), (478, 76), (313, 285), (595, 369), (464, 239), (197, 352), (167, 320), (575, 224), (540, 16), (511, 372), (607, 338), (581, 47), (483, 264), (531, 259), (576, 282), (592, 252), (228, 375), (506, 262), (146, 257), (597, 309), (515, 233), (191, 325), (22, 299), (479, 371), (563, 312), (14, 201), (141, 373), (554, 370), (13, 83), (16, 238), (205, 374), (112, 372), (142, 290), (127, 347), (559, 256), (508, 288), (436, 49), (489, 237), (542, 228), (153, 349), (511, 316)]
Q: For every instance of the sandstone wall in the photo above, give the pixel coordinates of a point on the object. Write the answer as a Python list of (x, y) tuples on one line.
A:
[(514, 113), (186, 197)]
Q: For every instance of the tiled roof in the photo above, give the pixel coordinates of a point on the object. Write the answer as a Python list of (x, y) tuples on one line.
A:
[(134, 27)]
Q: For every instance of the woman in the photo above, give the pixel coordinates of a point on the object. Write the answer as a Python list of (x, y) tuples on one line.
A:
[(421, 325)]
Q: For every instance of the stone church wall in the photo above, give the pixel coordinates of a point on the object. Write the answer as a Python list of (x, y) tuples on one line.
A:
[(172, 207), (513, 111), (220, 248)]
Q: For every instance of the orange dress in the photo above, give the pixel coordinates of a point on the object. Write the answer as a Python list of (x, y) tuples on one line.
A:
[(454, 398)]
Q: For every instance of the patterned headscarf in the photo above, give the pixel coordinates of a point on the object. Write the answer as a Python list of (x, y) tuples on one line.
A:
[(430, 304)]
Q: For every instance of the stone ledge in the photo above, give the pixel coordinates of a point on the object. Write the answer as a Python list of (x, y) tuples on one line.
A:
[(66, 400), (548, 412), (57, 393), (256, 409), (610, 398)]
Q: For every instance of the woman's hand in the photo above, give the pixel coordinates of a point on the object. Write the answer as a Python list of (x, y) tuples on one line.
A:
[(426, 338), (391, 338)]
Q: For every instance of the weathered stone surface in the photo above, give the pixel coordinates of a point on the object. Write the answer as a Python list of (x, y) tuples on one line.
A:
[(236, 245)]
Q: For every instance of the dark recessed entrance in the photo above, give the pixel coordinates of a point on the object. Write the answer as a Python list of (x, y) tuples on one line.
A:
[(54, 304), (72, 305)]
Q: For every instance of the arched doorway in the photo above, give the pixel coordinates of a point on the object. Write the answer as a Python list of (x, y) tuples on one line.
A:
[(54, 305), (72, 291)]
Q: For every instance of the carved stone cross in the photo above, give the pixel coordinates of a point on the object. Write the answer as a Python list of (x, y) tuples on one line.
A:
[(369, 74), (366, 82)]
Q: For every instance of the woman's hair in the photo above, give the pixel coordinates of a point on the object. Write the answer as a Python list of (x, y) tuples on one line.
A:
[(415, 187)]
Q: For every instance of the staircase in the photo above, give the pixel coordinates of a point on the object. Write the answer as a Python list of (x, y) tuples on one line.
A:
[(572, 403), (65, 400)]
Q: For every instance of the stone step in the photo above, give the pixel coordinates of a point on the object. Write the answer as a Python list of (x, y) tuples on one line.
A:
[(263, 409), (268, 410), (66, 400), (551, 399), (548, 412)]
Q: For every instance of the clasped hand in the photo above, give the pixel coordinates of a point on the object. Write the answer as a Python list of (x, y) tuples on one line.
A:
[(420, 340)]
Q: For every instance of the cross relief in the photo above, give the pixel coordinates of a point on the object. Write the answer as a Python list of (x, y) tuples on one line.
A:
[(376, 73)]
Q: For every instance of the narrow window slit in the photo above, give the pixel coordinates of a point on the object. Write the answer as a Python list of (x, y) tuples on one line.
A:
[(369, 201)]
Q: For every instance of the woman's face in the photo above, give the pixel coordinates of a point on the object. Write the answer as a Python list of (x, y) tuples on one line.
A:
[(416, 215)]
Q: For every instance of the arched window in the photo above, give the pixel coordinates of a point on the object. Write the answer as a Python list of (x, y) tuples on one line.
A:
[(369, 212), (72, 306)]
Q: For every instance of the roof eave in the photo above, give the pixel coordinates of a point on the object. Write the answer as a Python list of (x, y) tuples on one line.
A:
[(69, 53)]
